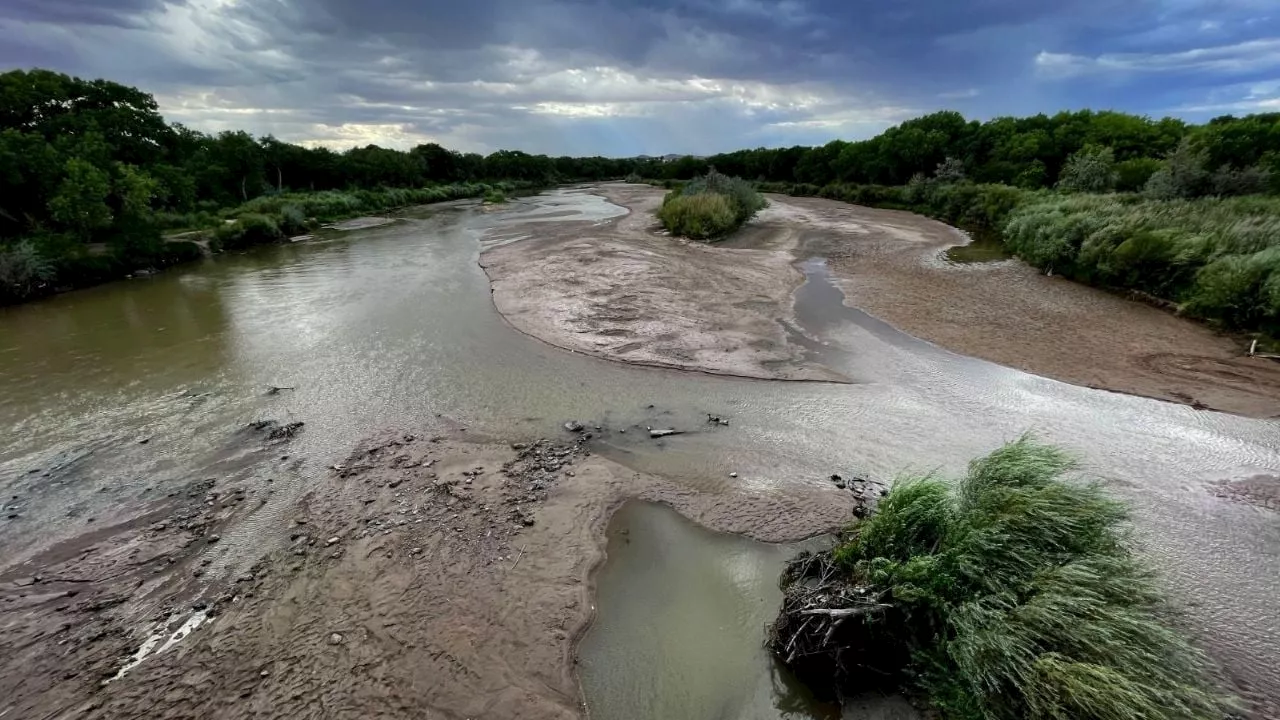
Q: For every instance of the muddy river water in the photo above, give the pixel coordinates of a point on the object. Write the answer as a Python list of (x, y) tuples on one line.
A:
[(123, 392)]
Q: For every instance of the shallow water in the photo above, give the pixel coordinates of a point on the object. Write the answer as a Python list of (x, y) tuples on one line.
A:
[(394, 327), (677, 602)]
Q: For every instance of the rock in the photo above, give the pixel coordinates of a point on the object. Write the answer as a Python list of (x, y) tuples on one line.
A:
[(835, 477), (333, 540), (573, 426), (733, 474), (664, 433), (840, 485), (264, 673), (213, 539), (300, 552), (518, 446), (335, 639)]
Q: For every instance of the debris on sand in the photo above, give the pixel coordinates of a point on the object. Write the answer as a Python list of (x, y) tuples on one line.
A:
[(665, 433), (573, 426), (276, 431), (717, 420)]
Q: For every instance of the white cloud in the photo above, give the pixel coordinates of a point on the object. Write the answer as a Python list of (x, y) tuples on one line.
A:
[(1246, 56)]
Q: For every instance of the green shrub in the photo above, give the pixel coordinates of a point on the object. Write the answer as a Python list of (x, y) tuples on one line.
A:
[(705, 216), (292, 220), (247, 231), (710, 207), (1132, 175), (1011, 594), (495, 197), (23, 271), (1092, 169)]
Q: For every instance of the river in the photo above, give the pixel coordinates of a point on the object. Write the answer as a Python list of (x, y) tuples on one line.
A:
[(115, 394)]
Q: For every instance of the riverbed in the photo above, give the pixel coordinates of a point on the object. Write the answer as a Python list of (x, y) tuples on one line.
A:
[(114, 396)]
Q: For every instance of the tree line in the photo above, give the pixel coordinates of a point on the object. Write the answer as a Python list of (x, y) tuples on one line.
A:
[(1029, 153), (92, 176)]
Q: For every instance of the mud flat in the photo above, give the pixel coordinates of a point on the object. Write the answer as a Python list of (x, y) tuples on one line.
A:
[(422, 577), (891, 264), (623, 290)]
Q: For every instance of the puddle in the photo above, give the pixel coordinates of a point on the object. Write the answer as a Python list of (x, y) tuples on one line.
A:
[(984, 248), (679, 632), (158, 643)]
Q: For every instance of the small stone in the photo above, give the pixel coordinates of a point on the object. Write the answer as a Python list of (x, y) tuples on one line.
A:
[(840, 485), (573, 426), (335, 639), (300, 552), (213, 539), (733, 474), (835, 477), (264, 673), (333, 540)]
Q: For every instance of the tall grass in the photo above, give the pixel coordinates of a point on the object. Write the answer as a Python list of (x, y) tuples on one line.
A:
[(1014, 594), (1219, 258)]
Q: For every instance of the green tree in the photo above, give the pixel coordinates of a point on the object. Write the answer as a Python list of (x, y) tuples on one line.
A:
[(80, 203), (1091, 169)]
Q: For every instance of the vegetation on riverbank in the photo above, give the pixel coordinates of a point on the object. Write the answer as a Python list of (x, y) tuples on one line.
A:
[(91, 176), (709, 207), (1011, 594)]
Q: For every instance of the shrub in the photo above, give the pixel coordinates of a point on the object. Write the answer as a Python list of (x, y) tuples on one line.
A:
[(495, 197), (292, 220), (1011, 594), (1227, 181), (1092, 169), (704, 216), (1184, 175), (710, 207), (23, 271), (1132, 175), (247, 231)]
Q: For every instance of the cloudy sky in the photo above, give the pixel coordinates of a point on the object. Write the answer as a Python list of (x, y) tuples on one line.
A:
[(626, 77)]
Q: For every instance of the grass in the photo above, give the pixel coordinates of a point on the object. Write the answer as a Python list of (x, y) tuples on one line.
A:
[(1014, 593)]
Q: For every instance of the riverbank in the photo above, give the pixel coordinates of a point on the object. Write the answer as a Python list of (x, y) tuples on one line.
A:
[(423, 576), (889, 263), (625, 292)]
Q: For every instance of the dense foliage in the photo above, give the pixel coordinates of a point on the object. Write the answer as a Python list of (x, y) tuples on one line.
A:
[(710, 207), (90, 174), (1030, 152), (1011, 594)]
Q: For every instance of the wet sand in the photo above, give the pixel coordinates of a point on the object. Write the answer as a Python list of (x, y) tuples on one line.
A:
[(624, 291), (890, 264), (422, 577)]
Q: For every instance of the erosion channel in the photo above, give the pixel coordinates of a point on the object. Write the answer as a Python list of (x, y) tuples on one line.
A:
[(414, 550)]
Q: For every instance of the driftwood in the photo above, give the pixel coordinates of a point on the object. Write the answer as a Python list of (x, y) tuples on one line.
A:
[(831, 630)]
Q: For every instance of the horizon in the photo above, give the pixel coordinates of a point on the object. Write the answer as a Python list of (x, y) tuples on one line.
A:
[(658, 77)]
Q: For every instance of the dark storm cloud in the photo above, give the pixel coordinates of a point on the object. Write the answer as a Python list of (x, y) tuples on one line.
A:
[(122, 13), (623, 76)]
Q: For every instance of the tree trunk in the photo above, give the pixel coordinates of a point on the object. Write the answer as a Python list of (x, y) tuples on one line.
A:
[(244, 193), (279, 180)]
